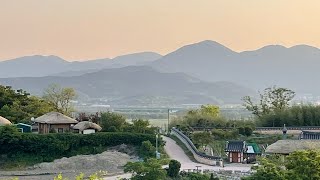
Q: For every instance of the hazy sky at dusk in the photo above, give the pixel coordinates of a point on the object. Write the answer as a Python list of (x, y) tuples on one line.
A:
[(89, 29)]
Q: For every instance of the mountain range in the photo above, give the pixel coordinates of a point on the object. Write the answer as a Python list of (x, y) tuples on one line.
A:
[(138, 85), (186, 74)]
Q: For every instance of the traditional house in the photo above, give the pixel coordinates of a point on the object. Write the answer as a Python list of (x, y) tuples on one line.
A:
[(86, 127), (235, 151), (242, 152), (4, 121), (54, 122), (309, 135), (285, 147)]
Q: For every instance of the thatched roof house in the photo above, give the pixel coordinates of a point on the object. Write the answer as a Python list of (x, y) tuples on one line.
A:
[(55, 122), (4, 121), (87, 125), (288, 146), (55, 118)]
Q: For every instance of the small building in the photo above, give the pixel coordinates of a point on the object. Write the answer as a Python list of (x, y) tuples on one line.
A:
[(253, 150), (242, 152), (236, 151), (285, 147), (4, 121), (309, 135), (24, 128), (86, 127), (54, 122)]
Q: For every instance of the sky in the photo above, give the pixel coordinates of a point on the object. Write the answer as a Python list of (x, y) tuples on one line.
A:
[(91, 29)]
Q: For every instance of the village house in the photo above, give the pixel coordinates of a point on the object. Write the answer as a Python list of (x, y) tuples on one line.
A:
[(4, 121), (54, 122), (285, 147), (86, 127), (242, 152)]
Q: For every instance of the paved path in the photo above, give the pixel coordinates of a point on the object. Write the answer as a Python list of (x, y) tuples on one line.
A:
[(176, 152)]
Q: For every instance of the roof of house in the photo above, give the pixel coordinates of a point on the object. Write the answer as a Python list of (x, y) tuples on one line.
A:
[(289, 146), (4, 121), (87, 125), (55, 118), (253, 148), (235, 146)]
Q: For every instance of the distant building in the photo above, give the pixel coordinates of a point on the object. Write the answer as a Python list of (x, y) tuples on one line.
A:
[(309, 135), (54, 122), (86, 127), (24, 128), (242, 152), (4, 121)]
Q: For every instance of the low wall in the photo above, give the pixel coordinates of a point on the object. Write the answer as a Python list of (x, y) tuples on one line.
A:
[(199, 156)]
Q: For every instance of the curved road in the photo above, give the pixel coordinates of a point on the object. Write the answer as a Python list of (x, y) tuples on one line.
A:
[(176, 152)]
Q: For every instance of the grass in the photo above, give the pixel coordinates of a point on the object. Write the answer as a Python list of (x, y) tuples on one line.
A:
[(184, 148)]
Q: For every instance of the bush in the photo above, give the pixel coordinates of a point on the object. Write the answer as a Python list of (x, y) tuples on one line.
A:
[(147, 150), (174, 168), (52, 146)]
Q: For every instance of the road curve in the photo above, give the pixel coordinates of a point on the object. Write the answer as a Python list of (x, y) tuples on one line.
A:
[(176, 152)]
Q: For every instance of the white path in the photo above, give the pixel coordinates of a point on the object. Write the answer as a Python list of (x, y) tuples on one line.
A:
[(175, 152)]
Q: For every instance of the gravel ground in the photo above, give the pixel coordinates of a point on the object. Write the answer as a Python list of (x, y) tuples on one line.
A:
[(110, 161)]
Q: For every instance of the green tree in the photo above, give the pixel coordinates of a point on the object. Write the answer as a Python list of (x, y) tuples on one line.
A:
[(267, 171), (302, 165), (271, 100), (147, 150), (109, 119), (174, 168), (150, 169), (19, 106), (202, 139), (60, 98)]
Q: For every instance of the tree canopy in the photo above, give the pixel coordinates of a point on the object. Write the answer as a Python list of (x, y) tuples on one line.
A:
[(302, 165), (20, 106), (272, 99), (60, 98)]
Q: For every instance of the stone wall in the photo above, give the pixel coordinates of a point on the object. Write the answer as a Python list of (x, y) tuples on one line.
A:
[(200, 157)]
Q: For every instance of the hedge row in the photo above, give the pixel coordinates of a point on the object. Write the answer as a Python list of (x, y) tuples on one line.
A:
[(57, 145)]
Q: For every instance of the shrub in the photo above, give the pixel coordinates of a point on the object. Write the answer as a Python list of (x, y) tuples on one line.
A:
[(174, 168), (52, 146)]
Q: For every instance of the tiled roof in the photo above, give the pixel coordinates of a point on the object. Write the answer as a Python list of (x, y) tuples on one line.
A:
[(235, 146)]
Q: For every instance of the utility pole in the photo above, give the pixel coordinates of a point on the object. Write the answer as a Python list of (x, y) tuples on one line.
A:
[(157, 153), (168, 119)]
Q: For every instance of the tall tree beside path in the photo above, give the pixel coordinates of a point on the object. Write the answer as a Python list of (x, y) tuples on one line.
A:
[(60, 98), (272, 99)]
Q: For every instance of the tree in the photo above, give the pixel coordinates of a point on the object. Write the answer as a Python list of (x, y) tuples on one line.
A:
[(147, 150), (174, 168), (109, 119), (304, 165), (202, 139), (271, 100), (210, 110), (267, 171), (150, 169), (60, 98), (19, 106)]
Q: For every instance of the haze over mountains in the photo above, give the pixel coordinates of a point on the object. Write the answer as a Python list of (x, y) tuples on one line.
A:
[(190, 74)]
